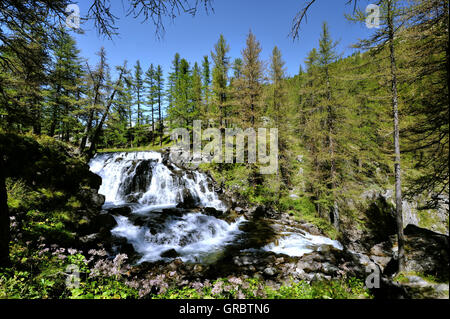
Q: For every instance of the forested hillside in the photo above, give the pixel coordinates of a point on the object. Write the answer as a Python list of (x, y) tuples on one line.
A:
[(351, 129)]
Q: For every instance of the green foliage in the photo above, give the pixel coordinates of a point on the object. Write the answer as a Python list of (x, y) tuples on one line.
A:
[(402, 277), (39, 274), (253, 288), (103, 288)]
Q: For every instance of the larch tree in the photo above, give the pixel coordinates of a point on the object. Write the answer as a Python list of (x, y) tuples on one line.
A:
[(327, 56), (65, 87), (206, 82), (428, 68), (392, 14), (173, 82), (159, 81), (220, 79), (138, 92), (249, 87), (97, 79), (279, 107), (151, 95)]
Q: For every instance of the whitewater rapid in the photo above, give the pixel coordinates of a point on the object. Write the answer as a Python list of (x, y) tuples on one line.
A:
[(157, 230)]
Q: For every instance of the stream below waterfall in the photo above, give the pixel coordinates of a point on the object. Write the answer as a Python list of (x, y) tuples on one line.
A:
[(167, 216)]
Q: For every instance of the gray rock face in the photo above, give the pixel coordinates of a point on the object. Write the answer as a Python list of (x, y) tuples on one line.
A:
[(415, 287), (427, 252), (412, 209)]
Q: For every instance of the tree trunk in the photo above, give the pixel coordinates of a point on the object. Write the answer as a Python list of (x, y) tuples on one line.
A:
[(86, 131), (153, 124), (37, 119), (54, 119), (4, 217), (160, 120), (397, 169), (97, 85), (99, 127), (331, 120)]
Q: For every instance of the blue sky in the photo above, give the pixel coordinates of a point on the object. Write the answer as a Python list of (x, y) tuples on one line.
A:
[(194, 37)]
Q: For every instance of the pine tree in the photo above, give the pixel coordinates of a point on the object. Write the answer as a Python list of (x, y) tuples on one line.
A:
[(119, 120), (184, 109), (197, 88), (24, 79), (327, 56), (277, 76), (160, 96), (220, 79), (65, 86), (385, 38), (97, 82), (249, 87), (279, 112), (138, 92), (173, 81), (237, 68), (206, 81), (427, 66), (108, 104), (151, 94)]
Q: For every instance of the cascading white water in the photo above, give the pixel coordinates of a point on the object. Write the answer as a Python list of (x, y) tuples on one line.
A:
[(297, 244), (113, 168), (193, 236), (143, 182), (154, 186)]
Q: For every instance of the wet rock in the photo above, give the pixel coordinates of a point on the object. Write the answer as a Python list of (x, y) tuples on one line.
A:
[(188, 200), (105, 220), (310, 228), (133, 198), (123, 211), (171, 253), (139, 177), (329, 269), (138, 220), (211, 211), (173, 211)]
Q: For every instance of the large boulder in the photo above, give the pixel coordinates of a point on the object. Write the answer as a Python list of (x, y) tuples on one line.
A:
[(188, 200), (426, 252), (139, 177)]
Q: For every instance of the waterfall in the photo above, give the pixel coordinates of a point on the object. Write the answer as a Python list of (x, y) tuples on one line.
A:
[(142, 181), (166, 221), (140, 178)]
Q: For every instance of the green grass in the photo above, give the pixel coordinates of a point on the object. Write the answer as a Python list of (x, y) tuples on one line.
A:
[(403, 277), (429, 218)]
